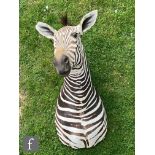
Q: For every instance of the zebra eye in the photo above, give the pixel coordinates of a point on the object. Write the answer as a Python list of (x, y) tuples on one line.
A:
[(66, 60), (74, 35)]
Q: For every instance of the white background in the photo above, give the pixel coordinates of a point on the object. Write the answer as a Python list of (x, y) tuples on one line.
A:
[(145, 77)]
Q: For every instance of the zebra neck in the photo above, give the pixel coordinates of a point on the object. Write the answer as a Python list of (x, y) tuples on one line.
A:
[(81, 80)]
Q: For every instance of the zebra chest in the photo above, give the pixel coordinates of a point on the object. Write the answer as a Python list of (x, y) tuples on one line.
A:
[(74, 112), (79, 116), (80, 124)]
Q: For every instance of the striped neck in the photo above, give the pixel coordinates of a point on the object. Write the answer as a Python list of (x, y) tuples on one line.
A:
[(79, 78)]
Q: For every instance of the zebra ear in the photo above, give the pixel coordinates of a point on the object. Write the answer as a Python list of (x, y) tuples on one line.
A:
[(45, 30), (88, 21)]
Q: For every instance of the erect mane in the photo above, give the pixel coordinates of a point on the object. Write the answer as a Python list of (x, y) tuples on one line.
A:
[(64, 20)]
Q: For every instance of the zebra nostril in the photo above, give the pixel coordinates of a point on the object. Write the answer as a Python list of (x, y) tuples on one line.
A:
[(63, 72)]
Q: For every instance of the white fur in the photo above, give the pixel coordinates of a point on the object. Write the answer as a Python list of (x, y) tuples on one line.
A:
[(92, 21), (45, 32)]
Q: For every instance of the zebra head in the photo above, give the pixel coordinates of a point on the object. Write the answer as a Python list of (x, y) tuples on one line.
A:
[(68, 49)]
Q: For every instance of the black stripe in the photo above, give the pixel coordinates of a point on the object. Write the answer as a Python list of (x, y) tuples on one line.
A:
[(100, 136), (68, 114), (84, 142), (66, 105), (70, 124)]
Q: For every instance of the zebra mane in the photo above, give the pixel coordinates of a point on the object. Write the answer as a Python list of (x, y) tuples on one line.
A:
[(64, 20)]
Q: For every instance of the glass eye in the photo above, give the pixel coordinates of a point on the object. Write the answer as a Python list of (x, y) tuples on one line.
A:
[(66, 60), (75, 35)]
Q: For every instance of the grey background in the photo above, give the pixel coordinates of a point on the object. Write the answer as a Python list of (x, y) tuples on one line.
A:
[(34, 145)]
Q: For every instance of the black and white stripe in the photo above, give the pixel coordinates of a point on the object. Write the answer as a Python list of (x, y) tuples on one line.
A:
[(80, 114)]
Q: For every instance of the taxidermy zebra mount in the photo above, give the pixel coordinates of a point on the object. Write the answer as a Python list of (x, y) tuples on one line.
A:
[(80, 115)]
